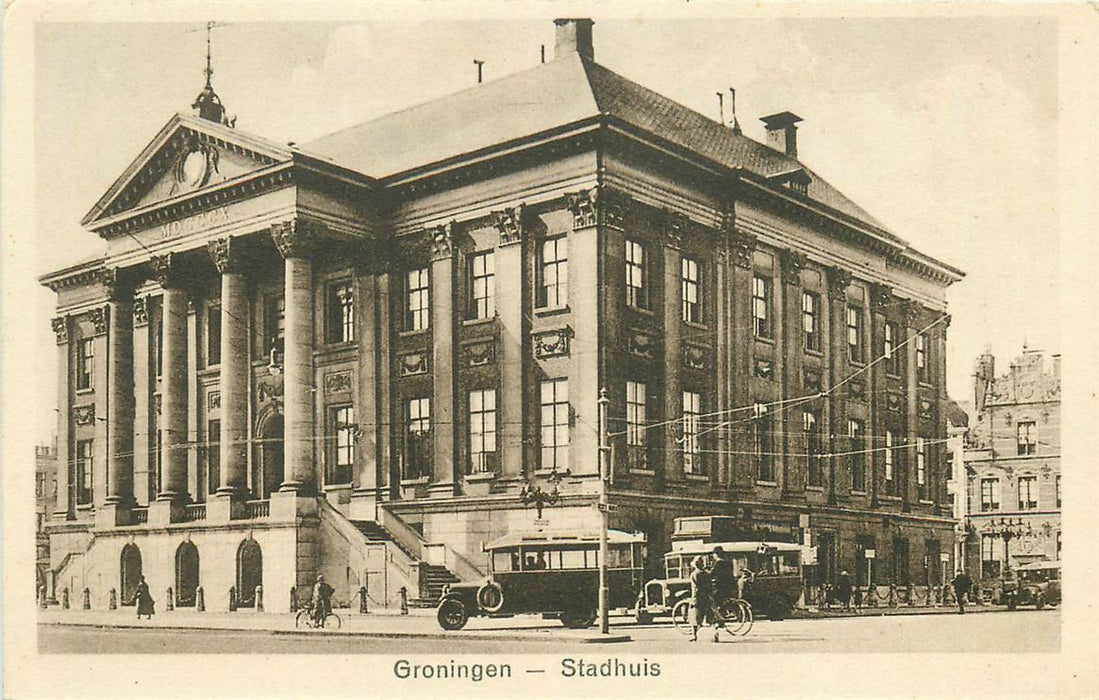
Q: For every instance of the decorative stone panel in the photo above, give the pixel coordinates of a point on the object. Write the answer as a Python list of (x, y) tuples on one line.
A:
[(412, 363), (695, 357), (84, 415), (642, 345), (337, 382), (554, 343), (479, 354)]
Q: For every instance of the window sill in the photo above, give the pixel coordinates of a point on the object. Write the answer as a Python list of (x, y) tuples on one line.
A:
[(89, 390), (819, 489), (473, 322), (814, 353), (552, 310), (418, 481), (926, 502), (412, 334), (892, 375), (337, 487), (642, 472), (698, 477), (856, 363), (640, 310), (888, 497), (340, 345), (925, 385), (761, 482), (548, 473), (697, 326), (856, 492), (480, 476), (764, 339)]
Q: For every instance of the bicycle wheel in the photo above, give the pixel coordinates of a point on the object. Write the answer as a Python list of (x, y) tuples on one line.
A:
[(731, 616), (746, 616), (303, 619), (681, 616), (332, 621)]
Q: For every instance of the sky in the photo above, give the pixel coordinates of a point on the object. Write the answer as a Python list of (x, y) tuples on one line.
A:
[(945, 129)]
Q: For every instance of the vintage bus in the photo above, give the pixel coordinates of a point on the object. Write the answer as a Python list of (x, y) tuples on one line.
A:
[(555, 574)]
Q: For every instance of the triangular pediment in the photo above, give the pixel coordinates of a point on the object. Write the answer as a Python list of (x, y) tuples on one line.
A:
[(187, 155)]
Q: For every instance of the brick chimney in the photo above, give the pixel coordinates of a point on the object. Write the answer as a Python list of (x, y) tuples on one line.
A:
[(782, 132), (573, 36)]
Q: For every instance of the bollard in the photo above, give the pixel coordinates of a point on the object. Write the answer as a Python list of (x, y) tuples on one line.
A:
[(64, 598), (200, 599), (112, 599), (87, 601), (293, 598), (232, 598), (404, 600), (259, 598), (362, 600), (892, 595), (42, 596), (169, 600)]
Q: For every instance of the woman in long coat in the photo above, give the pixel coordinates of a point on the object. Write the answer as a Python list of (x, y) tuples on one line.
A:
[(144, 600)]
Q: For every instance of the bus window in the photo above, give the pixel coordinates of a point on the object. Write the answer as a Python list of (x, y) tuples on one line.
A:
[(618, 558), (505, 561), (671, 564), (572, 559)]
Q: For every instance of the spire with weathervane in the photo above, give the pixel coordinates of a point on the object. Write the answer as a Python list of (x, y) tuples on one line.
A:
[(208, 105)]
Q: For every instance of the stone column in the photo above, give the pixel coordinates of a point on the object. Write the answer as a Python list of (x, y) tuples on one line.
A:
[(295, 240), (793, 351), (143, 402), (443, 414), (120, 401), (912, 323), (63, 509), (838, 364), (511, 292), (881, 296), (233, 372), (740, 344), (671, 467), (174, 400)]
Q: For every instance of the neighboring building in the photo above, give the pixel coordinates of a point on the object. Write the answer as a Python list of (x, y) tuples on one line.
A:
[(957, 422), (353, 356), (1013, 465), (45, 501)]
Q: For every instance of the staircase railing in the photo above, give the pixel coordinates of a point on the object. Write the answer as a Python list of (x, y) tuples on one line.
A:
[(408, 538)]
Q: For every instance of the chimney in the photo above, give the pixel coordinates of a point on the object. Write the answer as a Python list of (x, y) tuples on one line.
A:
[(573, 36), (782, 132)]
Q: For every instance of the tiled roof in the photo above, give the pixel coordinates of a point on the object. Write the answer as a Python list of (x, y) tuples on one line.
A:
[(551, 95)]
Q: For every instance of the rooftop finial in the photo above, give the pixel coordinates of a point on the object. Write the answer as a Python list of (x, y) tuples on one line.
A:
[(208, 105), (732, 104), (209, 65)]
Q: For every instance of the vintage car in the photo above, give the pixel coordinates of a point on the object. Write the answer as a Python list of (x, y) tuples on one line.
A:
[(773, 591), (555, 574), (1037, 584)]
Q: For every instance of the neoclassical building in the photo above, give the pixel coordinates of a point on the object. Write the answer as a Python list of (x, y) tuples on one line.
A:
[(362, 355)]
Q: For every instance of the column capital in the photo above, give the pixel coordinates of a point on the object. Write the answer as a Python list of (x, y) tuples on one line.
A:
[(60, 325), (116, 284), (226, 254), (839, 280), (912, 311), (597, 205), (509, 222), (675, 226), (296, 238), (99, 317), (442, 240), (743, 245), (793, 262), (167, 270), (372, 257), (141, 311), (881, 296)]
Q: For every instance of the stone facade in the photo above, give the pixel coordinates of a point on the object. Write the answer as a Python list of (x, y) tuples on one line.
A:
[(317, 342)]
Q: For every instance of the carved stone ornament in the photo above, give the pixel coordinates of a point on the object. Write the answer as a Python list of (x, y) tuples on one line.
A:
[(60, 327), (213, 400), (812, 380), (694, 357), (442, 241), (838, 281), (946, 321), (112, 284), (764, 368), (894, 401), (912, 312), (479, 354), (165, 270), (84, 415), (99, 319), (743, 244), (411, 364), (337, 382), (269, 389), (675, 227), (642, 345), (925, 408), (225, 253), (856, 388), (295, 238), (553, 343), (728, 220), (141, 311), (881, 296), (793, 262), (612, 207), (582, 205), (509, 222)]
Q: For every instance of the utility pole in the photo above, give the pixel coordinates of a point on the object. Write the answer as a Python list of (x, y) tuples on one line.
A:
[(604, 512)]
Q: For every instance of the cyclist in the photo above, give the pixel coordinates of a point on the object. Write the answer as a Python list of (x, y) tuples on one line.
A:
[(322, 600), (701, 609), (721, 572)]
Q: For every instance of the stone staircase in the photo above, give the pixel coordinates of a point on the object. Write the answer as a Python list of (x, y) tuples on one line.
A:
[(432, 577)]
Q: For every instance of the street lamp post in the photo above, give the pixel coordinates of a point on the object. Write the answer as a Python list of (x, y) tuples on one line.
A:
[(604, 514)]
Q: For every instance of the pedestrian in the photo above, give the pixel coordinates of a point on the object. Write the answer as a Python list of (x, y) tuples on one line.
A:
[(843, 589), (144, 600), (321, 600), (701, 605), (962, 585), (721, 573)]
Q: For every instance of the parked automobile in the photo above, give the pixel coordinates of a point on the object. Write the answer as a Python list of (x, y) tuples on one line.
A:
[(773, 592), (555, 574), (1037, 584)]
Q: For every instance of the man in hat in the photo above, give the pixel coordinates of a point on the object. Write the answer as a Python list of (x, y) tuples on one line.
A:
[(843, 589), (322, 600)]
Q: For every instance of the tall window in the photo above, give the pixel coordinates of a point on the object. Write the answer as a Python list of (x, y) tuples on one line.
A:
[(890, 468), (213, 455), (762, 443), (418, 303), (921, 467), (275, 320), (213, 334), (854, 334), (636, 284), (892, 356), (482, 288), (418, 419), (1028, 492), (637, 453), (761, 306), (1058, 490), (922, 375), (482, 431), (341, 312), (84, 471), (554, 401), (553, 292), (856, 434), (813, 443), (692, 414), (690, 284), (990, 556), (85, 363), (342, 428), (1026, 437), (810, 320), (990, 495)]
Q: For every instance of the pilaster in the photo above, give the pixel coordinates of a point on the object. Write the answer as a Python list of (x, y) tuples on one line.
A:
[(838, 467), (447, 471), (514, 329), (792, 474), (671, 467), (63, 509), (743, 247)]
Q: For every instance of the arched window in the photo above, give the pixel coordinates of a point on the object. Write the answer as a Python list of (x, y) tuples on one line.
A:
[(129, 572), (186, 574), (249, 572)]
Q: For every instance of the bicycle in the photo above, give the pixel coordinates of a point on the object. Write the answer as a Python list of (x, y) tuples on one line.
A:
[(305, 619), (734, 616)]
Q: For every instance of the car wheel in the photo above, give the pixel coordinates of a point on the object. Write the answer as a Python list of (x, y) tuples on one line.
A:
[(490, 597), (776, 611), (578, 618), (452, 614)]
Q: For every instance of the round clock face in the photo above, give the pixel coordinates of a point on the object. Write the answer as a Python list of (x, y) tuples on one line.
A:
[(194, 168)]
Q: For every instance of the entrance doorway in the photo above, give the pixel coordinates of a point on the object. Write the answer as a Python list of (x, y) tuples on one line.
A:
[(249, 572), (186, 575), (130, 572), (268, 474)]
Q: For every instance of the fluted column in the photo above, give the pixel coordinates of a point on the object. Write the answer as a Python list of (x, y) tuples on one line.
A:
[(233, 371), (120, 402), (63, 509), (294, 241), (173, 427)]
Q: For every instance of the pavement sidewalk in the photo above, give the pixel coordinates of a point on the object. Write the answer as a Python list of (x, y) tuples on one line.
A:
[(879, 611)]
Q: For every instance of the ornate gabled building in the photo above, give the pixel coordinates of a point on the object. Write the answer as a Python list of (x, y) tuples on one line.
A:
[(1013, 466), (361, 356)]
